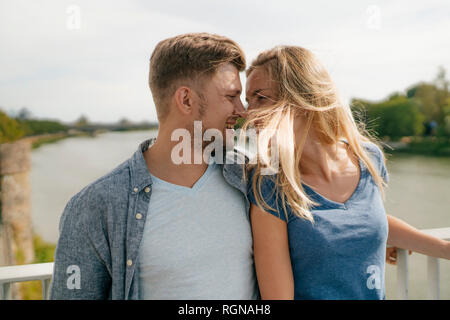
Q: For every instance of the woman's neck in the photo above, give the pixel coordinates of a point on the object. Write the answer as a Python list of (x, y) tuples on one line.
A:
[(323, 160)]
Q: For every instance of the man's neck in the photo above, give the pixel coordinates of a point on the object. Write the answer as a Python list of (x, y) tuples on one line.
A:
[(158, 158)]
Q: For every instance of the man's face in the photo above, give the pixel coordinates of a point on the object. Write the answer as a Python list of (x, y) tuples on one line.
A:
[(222, 105)]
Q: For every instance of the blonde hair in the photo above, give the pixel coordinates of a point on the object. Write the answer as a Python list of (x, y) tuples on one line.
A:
[(305, 90)]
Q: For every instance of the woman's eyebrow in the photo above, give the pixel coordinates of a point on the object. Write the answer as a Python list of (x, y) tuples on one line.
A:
[(255, 92), (258, 91)]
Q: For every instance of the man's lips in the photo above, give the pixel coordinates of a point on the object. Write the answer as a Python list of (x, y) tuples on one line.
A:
[(229, 124)]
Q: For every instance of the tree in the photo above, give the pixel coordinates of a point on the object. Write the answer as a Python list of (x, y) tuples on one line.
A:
[(394, 118), (432, 97), (10, 129), (24, 114), (426, 95), (82, 121), (124, 122)]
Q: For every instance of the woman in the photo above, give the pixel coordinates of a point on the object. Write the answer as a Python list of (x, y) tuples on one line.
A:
[(319, 225)]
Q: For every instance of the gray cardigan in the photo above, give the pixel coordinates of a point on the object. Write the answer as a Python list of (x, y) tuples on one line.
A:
[(101, 229)]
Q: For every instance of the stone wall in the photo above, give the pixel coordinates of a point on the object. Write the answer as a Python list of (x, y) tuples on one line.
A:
[(16, 238)]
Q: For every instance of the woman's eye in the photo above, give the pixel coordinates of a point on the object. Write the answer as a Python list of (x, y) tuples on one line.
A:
[(261, 97)]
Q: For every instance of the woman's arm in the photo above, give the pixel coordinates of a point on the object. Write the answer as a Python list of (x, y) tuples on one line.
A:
[(403, 235), (272, 258)]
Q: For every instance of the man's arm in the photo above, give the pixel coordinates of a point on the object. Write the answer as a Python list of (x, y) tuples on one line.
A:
[(79, 271), (403, 235)]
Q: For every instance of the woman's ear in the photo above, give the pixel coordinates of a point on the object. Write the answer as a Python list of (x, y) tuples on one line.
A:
[(183, 100)]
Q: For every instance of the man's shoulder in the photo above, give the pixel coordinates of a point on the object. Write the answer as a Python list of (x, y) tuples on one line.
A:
[(109, 184), (92, 202)]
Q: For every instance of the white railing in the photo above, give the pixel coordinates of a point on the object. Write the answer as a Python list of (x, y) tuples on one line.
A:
[(432, 268), (44, 271), (27, 272)]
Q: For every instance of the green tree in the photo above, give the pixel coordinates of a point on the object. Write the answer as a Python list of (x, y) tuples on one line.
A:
[(432, 97), (35, 127), (394, 118), (10, 129), (82, 121)]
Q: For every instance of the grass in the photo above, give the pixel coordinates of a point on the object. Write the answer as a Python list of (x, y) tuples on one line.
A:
[(44, 252), (46, 140)]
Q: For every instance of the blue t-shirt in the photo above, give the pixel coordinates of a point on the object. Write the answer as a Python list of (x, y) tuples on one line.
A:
[(341, 255)]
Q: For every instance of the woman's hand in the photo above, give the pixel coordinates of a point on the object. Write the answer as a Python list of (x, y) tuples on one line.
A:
[(403, 235), (447, 249), (391, 255)]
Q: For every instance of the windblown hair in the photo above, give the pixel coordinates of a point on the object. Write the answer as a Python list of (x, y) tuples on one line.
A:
[(186, 59), (305, 90)]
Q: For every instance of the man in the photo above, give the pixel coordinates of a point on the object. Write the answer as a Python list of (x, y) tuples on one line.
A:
[(155, 228)]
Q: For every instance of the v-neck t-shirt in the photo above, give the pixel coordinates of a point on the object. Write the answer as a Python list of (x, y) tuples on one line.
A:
[(342, 254), (197, 242)]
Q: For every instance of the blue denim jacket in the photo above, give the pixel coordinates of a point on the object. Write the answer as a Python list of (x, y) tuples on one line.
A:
[(101, 229)]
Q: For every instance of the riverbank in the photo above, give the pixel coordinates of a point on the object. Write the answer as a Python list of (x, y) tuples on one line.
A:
[(39, 140), (426, 146)]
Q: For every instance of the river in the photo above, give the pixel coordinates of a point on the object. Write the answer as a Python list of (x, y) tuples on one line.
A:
[(418, 192)]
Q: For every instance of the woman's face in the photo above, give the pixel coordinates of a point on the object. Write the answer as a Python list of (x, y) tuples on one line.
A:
[(260, 89)]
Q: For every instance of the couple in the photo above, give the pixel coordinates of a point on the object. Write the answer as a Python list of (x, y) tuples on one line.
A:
[(316, 229)]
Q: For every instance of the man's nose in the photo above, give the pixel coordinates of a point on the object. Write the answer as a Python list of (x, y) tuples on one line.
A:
[(239, 108)]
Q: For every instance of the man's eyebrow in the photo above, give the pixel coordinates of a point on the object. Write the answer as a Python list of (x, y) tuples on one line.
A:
[(234, 92)]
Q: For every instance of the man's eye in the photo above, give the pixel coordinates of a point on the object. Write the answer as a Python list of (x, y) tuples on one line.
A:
[(261, 97)]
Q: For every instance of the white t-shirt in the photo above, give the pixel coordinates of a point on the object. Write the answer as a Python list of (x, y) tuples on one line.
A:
[(197, 242)]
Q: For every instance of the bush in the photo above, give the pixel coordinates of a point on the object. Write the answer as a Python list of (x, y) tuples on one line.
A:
[(44, 252), (394, 118), (10, 129), (36, 127)]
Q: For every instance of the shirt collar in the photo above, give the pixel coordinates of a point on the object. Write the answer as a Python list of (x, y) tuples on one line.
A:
[(140, 176)]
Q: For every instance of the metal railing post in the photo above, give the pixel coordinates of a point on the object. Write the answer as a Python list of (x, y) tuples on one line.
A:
[(5, 293), (45, 289), (402, 274), (433, 278)]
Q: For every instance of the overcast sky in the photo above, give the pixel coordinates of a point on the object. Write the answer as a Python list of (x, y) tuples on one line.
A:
[(61, 59)]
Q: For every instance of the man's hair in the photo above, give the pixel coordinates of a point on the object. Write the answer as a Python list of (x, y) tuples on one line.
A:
[(187, 59)]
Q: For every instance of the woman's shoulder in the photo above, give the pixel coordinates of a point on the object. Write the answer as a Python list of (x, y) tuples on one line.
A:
[(377, 155), (372, 148), (268, 181)]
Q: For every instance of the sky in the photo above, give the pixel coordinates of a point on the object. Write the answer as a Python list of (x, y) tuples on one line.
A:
[(62, 59)]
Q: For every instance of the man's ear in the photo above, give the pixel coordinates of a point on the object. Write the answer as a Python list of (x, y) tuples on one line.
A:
[(183, 100)]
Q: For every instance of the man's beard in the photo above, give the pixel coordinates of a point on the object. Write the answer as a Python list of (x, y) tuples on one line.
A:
[(201, 113), (203, 130)]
